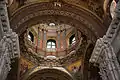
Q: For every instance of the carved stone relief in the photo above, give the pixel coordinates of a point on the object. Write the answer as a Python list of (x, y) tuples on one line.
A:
[(104, 54), (9, 44)]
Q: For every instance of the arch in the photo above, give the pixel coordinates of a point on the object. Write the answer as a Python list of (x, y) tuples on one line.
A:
[(57, 73), (87, 22)]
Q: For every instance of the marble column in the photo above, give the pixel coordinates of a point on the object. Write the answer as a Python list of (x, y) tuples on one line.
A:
[(44, 39), (58, 40), (38, 40), (61, 40), (41, 38), (39, 34), (64, 39)]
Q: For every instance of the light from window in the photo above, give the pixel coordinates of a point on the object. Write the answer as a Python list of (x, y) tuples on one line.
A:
[(73, 40), (52, 24), (51, 44), (30, 37)]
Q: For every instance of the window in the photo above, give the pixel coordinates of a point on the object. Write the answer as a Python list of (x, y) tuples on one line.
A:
[(30, 37), (52, 24), (51, 44), (72, 39)]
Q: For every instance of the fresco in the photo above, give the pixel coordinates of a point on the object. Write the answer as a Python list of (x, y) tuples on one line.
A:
[(74, 66), (25, 65)]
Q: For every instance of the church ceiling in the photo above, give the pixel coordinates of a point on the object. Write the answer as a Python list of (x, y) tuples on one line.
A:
[(64, 14), (95, 6)]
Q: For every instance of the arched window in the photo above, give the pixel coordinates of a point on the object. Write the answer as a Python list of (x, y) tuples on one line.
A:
[(72, 39), (30, 37), (51, 44)]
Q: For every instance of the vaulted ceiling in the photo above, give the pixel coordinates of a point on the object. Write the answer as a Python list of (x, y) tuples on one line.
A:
[(88, 16), (83, 14), (96, 6)]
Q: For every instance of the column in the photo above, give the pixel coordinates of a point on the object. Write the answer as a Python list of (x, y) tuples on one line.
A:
[(58, 40), (61, 39), (44, 39), (64, 39), (39, 37)]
